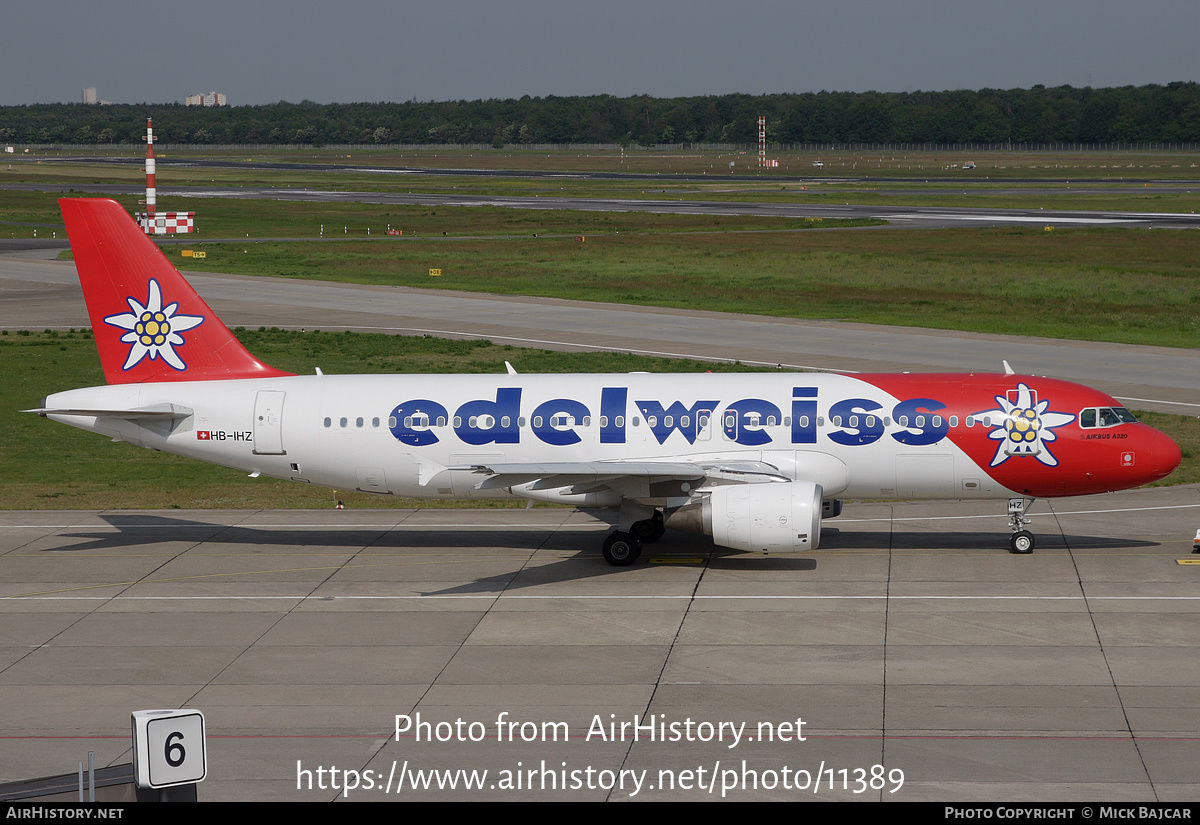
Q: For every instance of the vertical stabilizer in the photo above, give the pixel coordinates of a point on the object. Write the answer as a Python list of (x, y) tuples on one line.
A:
[(149, 324)]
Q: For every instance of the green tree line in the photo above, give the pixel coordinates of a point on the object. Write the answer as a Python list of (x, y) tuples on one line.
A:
[(1063, 114)]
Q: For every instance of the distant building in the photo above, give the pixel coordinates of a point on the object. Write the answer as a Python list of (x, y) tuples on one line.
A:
[(210, 99), (89, 95)]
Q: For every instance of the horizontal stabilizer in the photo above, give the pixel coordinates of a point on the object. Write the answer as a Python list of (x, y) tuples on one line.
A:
[(161, 412)]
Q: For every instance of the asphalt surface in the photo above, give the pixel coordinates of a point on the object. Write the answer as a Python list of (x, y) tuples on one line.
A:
[(910, 640)]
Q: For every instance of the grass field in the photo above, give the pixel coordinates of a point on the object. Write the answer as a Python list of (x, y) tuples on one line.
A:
[(52, 466), (1103, 284), (1106, 284)]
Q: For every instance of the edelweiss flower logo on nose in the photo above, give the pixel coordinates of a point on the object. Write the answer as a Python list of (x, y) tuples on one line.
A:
[(153, 329), (1023, 428)]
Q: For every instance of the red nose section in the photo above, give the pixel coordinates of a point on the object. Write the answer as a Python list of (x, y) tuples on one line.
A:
[(1165, 456)]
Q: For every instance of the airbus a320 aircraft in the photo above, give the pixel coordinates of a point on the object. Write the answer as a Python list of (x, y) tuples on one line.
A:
[(753, 460)]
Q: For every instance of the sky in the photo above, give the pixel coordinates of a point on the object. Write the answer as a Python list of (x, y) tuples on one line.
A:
[(373, 50)]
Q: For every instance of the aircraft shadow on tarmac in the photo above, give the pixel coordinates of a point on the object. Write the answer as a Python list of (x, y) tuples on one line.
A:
[(141, 530), (675, 549), (981, 541)]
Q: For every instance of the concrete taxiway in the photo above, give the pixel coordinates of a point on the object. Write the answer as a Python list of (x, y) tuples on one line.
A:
[(910, 640)]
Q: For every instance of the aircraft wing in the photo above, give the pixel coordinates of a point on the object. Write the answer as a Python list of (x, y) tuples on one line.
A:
[(631, 479)]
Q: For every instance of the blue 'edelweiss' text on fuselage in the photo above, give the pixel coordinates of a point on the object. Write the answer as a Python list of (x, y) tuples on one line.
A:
[(855, 421)]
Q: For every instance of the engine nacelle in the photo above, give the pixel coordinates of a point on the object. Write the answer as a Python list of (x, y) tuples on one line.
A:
[(765, 518)]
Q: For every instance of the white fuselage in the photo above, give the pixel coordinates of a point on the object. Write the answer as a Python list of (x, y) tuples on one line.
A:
[(399, 434)]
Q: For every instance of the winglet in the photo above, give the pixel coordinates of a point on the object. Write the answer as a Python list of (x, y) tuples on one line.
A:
[(149, 324), (1007, 369)]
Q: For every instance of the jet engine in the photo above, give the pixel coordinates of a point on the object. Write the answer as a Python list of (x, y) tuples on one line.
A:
[(776, 517)]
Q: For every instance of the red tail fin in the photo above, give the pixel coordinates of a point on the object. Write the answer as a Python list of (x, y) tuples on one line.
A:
[(150, 325)]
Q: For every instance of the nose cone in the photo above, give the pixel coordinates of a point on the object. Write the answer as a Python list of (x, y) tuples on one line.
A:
[(1164, 456)]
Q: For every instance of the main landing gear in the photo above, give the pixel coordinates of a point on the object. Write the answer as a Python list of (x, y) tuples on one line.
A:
[(649, 530), (1022, 541), (622, 549)]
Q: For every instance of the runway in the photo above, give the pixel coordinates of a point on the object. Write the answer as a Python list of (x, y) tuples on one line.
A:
[(36, 294), (911, 640), (960, 178), (910, 217)]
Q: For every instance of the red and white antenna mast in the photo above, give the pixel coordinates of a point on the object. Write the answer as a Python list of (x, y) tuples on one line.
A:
[(762, 145), (150, 187), (168, 223)]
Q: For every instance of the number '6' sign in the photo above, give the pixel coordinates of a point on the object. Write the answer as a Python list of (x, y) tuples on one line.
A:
[(168, 747)]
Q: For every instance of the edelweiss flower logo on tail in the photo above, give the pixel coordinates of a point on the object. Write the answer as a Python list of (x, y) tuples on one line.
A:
[(1023, 428), (153, 329)]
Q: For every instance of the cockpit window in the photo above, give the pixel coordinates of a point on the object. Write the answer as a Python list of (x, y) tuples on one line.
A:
[(1105, 417)]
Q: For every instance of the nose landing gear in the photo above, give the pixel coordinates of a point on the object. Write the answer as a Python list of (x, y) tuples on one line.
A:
[(1022, 541)]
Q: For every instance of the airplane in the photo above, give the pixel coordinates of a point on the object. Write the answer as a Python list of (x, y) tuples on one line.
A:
[(755, 461)]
